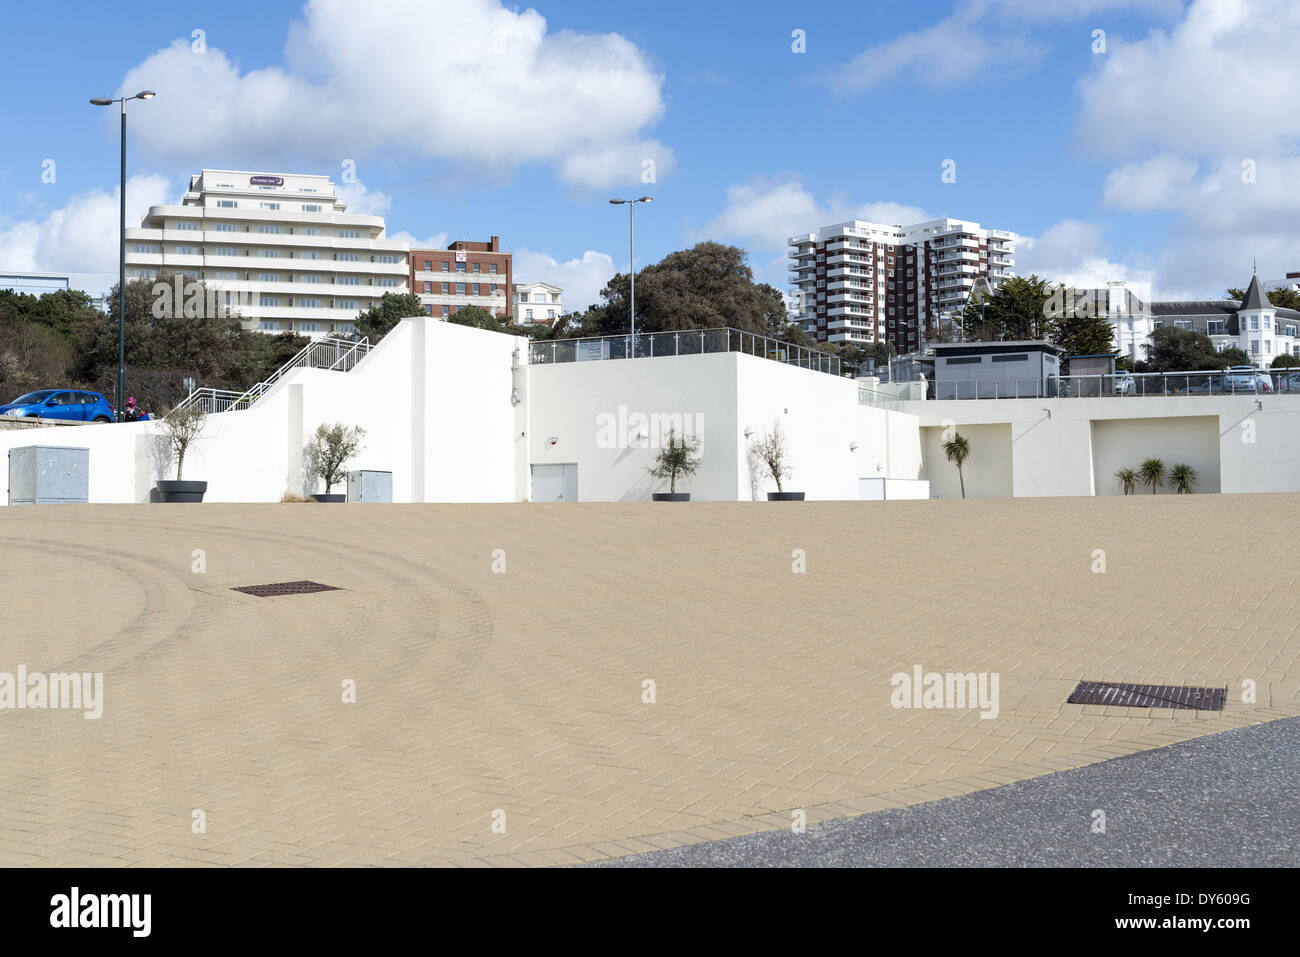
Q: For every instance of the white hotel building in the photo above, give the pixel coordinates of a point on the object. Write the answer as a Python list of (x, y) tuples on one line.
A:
[(860, 282), (283, 243)]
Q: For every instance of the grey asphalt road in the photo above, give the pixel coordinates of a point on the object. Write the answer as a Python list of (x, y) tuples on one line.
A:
[(1224, 800)]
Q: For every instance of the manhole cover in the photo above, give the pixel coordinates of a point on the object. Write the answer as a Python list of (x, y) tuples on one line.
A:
[(1149, 696), (285, 588)]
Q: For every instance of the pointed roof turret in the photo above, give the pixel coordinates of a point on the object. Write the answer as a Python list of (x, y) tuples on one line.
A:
[(1255, 297)]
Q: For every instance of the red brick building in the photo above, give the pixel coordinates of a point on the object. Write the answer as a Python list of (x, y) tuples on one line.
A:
[(464, 274)]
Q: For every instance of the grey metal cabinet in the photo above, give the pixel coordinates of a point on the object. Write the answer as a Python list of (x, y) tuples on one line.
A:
[(48, 475), (368, 486)]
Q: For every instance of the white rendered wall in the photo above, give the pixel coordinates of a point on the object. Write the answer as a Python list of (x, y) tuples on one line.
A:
[(433, 397), (723, 393), (1234, 444)]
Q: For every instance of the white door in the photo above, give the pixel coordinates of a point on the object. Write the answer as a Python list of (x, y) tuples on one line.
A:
[(871, 489), (555, 483)]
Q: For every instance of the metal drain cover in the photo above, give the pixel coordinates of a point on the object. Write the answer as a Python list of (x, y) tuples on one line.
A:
[(1149, 696), (285, 588)]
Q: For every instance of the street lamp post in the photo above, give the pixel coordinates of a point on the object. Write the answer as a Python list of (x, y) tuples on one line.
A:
[(121, 274), (631, 258)]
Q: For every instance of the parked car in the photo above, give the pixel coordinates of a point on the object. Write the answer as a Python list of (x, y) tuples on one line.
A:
[(1211, 386), (70, 404), (1287, 382), (1125, 384), (1246, 379)]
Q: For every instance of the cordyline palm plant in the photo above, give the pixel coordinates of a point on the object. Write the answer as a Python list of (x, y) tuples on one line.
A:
[(1127, 479), (678, 457), (1152, 474), (1182, 477), (958, 451)]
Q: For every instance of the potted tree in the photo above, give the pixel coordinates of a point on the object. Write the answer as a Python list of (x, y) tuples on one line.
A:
[(180, 427), (771, 451), (678, 457), (328, 454), (957, 449)]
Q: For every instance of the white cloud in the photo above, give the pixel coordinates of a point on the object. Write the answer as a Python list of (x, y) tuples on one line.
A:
[(1072, 252), (768, 212), (1204, 108), (363, 201), (82, 235), (949, 52), (469, 80), (582, 278), (1156, 183), (436, 241), (1222, 78), (983, 39)]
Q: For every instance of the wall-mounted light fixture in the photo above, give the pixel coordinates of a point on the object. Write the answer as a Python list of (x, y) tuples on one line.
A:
[(1259, 404), (1048, 411), (853, 446), (748, 431)]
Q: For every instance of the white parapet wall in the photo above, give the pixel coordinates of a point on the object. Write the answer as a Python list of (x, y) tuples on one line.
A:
[(1073, 446), (434, 398), (592, 416)]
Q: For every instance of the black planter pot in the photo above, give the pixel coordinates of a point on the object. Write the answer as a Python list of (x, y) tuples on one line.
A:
[(785, 496), (670, 496), (181, 491), (332, 497)]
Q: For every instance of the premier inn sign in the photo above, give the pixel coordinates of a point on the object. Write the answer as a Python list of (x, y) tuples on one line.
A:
[(265, 181)]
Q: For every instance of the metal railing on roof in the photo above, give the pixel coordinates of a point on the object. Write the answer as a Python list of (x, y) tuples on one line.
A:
[(682, 342), (1126, 384), (339, 355)]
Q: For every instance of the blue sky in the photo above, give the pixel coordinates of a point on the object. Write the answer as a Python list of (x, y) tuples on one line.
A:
[(471, 118)]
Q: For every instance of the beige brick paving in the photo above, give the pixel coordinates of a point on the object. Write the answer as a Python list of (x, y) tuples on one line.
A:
[(522, 692)]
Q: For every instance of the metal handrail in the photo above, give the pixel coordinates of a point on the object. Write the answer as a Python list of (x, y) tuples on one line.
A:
[(315, 355), (1206, 382), (681, 342)]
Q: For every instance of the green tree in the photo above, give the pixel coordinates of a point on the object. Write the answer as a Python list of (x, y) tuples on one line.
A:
[(1152, 474), (957, 449), (1182, 350), (380, 319), (1285, 361), (330, 450), (679, 457), (1078, 326), (707, 286), (1232, 356), (1127, 479), (475, 316), (1280, 298), (1017, 309)]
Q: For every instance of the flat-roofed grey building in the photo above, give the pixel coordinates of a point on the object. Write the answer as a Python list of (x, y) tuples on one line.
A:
[(996, 370)]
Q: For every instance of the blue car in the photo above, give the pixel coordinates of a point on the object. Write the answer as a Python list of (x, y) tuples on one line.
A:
[(70, 404)]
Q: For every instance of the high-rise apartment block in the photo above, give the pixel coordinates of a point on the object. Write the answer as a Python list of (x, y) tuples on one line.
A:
[(282, 247), (860, 282)]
